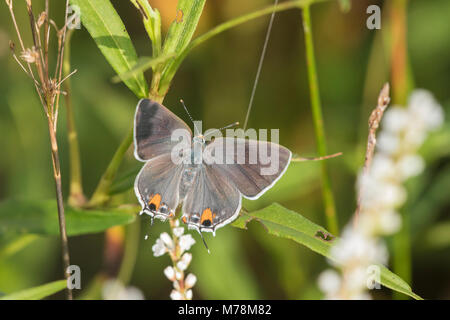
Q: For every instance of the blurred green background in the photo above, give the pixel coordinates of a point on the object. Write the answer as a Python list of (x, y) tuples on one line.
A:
[(215, 81)]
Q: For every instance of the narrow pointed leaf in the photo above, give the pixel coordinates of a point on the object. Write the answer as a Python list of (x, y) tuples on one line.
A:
[(37, 293), (109, 33), (41, 217), (285, 223)]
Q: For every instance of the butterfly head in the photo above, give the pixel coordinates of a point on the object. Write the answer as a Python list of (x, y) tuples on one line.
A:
[(199, 139)]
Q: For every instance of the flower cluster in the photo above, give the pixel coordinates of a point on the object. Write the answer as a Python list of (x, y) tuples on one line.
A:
[(382, 194), (396, 160), (176, 246)]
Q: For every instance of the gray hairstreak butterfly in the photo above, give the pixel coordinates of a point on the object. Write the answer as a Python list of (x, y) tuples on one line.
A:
[(210, 189)]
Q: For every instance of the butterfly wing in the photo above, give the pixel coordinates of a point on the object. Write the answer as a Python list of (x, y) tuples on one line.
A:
[(153, 128), (157, 186), (253, 166), (211, 202)]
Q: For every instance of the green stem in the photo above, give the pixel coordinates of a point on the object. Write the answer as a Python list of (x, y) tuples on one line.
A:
[(327, 193), (76, 195), (398, 51), (130, 253), (401, 257)]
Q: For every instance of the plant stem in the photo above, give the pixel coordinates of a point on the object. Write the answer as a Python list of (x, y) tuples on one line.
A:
[(397, 17), (130, 253), (327, 193), (76, 195), (59, 201), (400, 82)]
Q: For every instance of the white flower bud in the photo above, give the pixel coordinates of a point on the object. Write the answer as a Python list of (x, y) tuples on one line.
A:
[(167, 240), (185, 261), (170, 273), (190, 280), (189, 294), (159, 248), (175, 295), (329, 281), (178, 232), (186, 242)]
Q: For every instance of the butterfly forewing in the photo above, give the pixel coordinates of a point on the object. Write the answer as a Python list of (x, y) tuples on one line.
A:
[(153, 128)]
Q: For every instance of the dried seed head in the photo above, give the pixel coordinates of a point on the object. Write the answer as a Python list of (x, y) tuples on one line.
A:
[(29, 55), (41, 19)]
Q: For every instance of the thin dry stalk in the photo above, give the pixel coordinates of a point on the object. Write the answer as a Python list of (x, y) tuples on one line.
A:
[(48, 90), (374, 122), (301, 159)]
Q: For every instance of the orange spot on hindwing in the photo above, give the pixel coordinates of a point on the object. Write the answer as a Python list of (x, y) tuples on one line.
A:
[(154, 202), (206, 218)]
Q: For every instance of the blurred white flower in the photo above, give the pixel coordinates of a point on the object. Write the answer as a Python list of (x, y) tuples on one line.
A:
[(426, 109), (410, 166), (383, 168), (329, 281), (396, 159), (389, 222), (114, 290), (395, 119), (355, 247), (189, 294), (388, 142)]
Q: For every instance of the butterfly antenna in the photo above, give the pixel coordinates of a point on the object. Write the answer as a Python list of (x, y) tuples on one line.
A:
[(204, 242), (190, 117), (261, 60), (234, 124)]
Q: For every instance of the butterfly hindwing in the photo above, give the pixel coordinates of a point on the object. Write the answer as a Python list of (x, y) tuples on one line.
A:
[(211, 202), (157, 186), (153, 128)]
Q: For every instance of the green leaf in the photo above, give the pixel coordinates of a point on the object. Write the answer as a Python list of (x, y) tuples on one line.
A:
[(285, 223), (109, 33), (37, 293), (152, 23), (41, 217), (143, 64), (180, 34)]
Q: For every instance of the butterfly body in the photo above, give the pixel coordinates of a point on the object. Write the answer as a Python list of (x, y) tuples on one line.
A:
[(207, 178)]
